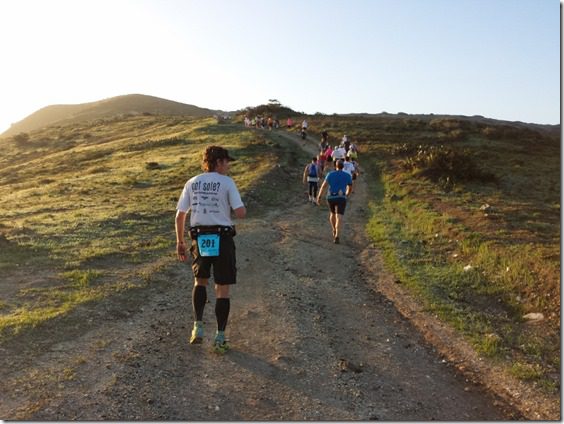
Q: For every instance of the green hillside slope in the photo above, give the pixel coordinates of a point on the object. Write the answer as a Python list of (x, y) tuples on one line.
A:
[(88, 211)]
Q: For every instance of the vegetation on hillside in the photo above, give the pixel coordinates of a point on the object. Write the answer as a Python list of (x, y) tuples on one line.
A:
[(87, 210), (272, 109), (467, 214)]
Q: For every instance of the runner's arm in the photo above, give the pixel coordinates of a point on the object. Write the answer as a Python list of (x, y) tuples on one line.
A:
[(321, 190), (241, 212), (349, 186), (180, 242)]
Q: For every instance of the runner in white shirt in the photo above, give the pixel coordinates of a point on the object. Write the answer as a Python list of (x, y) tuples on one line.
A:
[(348, 166), (338, 153), (209, 197)]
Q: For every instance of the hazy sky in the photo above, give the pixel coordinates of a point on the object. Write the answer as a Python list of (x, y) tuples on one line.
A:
[(497, 58)]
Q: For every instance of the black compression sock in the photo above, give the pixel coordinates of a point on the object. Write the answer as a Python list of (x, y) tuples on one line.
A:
[(222, 306), (199, 299)]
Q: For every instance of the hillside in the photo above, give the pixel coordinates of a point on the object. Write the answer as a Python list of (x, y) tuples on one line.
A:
[(132, 104), (462, 216)]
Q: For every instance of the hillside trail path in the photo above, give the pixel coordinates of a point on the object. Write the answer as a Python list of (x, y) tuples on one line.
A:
[(312, 339)]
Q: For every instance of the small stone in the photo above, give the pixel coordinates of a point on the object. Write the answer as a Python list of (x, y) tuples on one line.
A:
[(534, 316)]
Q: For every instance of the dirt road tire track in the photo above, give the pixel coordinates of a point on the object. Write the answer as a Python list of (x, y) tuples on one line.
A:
[(312, 339)]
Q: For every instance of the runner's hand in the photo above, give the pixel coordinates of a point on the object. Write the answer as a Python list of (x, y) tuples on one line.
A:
[(181, 251)]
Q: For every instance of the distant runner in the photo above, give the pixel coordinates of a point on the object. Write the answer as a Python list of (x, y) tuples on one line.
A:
[(303, 130), (321, 161), (348, 166), (345, 142), (339, 153), (328, 158), (339, 185), (350, 169), (355, 174), (312, 173), (324, 143)]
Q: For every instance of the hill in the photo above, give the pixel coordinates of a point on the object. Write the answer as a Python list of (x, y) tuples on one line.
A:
[(468, 120), (131, 104)]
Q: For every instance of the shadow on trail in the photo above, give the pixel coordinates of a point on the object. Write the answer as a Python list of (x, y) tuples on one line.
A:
[(295, 382)]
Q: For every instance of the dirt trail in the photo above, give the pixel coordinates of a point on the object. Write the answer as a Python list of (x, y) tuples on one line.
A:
[(312, 339)]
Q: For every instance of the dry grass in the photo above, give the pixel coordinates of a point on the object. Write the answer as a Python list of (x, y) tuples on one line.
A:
[(87, 208)]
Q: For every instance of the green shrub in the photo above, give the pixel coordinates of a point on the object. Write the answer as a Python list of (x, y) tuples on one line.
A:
[(440, 163), (405, 149)]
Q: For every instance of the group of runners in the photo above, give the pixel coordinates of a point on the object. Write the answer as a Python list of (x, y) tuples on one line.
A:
[(206, 205), (338, 168), (264, 122)]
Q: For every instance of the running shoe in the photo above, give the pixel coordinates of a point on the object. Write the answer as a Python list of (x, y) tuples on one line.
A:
[(220, 344), (197, 333), (336, 240)]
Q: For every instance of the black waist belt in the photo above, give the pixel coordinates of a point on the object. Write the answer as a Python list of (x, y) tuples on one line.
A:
[(212, 229)]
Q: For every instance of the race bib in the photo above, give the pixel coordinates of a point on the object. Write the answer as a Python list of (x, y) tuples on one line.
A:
[(208, 244)]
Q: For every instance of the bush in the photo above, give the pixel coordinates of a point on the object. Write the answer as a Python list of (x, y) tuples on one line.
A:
[(507, 132), (152, 165), (21, 138), (405, 149), (444, 124), (455, 135), (444, 164), (274, 110)]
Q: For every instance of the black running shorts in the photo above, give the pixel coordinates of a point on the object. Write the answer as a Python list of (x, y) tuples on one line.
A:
[(337, 205), (224, 265)]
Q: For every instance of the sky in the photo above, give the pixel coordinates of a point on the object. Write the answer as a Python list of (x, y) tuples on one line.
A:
[(495, 58)]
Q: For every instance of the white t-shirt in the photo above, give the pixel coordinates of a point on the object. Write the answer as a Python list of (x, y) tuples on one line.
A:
[(348, 167), (339, 153), (210, 196)]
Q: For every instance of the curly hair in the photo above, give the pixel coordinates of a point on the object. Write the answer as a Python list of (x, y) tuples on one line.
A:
[(211, 155)]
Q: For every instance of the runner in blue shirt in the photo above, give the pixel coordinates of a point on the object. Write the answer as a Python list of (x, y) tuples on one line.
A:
[(339, 185)]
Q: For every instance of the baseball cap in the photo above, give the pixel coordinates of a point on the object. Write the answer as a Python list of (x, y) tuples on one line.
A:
[(217, 152)]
